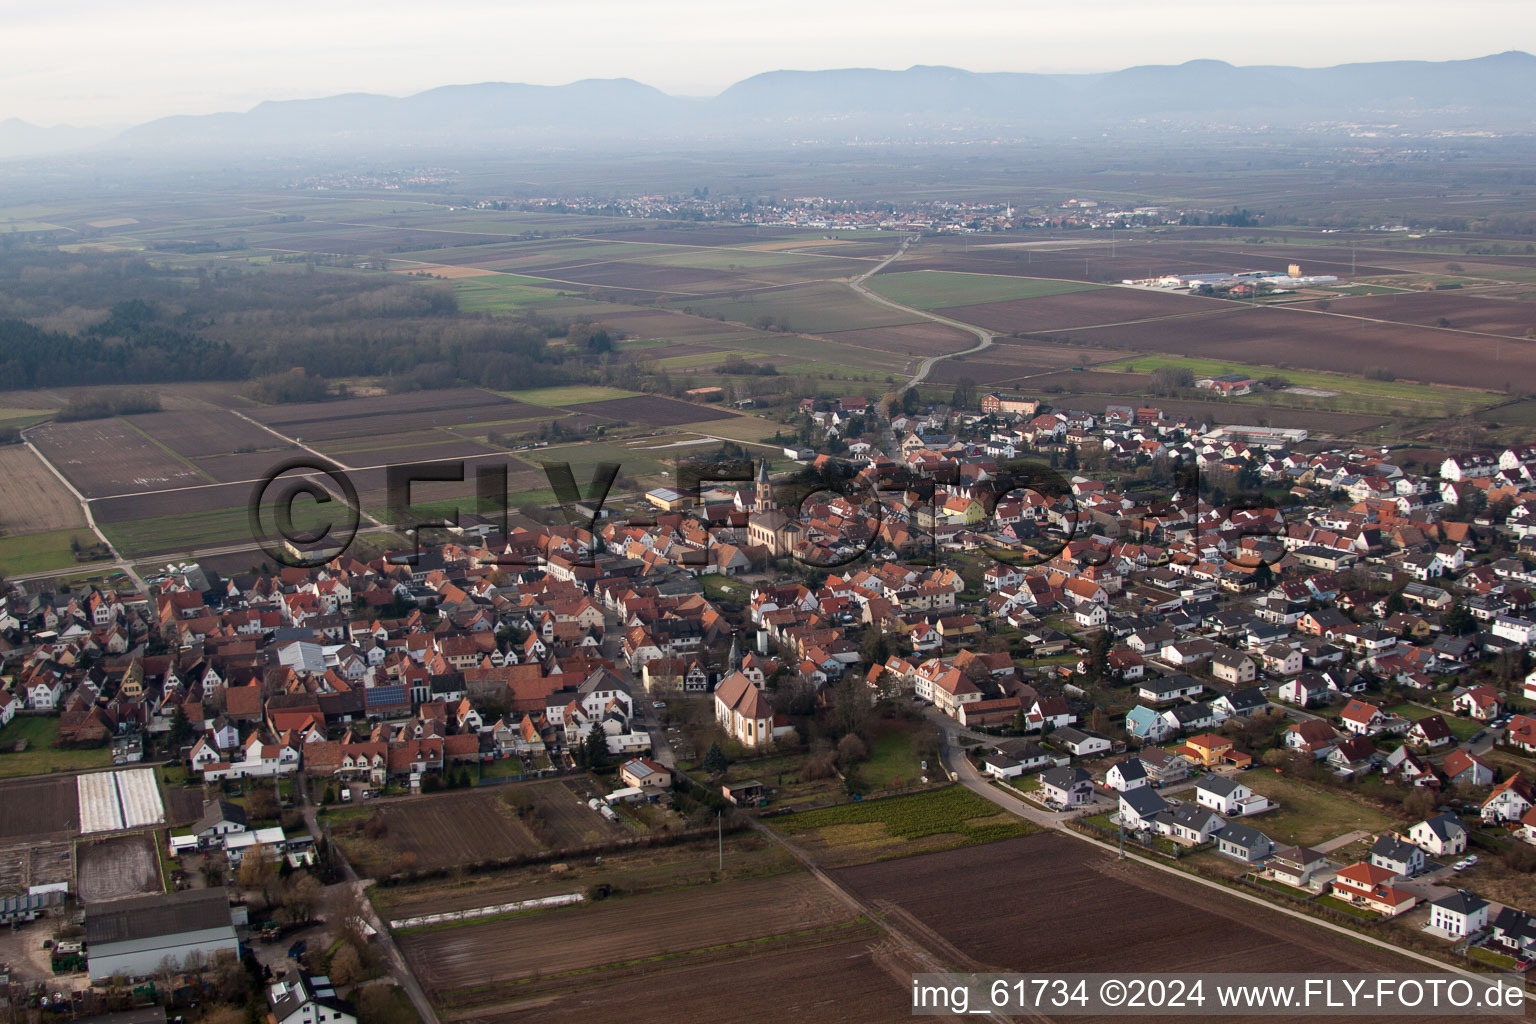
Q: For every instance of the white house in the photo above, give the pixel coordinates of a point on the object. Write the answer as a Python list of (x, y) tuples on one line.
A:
[(1127, 775), (1229, 797), (1441, 836), (299, 1000), (1457, 915)]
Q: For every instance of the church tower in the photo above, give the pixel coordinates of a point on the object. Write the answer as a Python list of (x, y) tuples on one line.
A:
[(763, 499)]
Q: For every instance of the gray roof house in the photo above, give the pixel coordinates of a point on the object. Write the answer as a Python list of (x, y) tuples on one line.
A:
[(1240, 842), (1392, 853), (1070, 787), (1139, 807)]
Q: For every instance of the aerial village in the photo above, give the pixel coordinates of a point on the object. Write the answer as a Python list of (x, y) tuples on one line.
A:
[(1293, 665)]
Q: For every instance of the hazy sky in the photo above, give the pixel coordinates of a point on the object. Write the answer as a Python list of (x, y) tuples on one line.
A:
[(90, 62)]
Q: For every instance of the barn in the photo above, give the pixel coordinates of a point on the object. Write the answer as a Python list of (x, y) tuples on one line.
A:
[(133, 937)]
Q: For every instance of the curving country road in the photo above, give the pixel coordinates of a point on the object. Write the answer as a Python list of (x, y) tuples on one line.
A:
[(984, 337)]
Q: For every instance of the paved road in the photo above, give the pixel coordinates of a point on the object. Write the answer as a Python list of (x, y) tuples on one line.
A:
[(399, 969), (984, 337), (90, 520), (1057, 821), (1338, 841)]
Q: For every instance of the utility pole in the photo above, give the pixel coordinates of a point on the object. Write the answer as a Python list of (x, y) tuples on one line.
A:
[(720, 837)]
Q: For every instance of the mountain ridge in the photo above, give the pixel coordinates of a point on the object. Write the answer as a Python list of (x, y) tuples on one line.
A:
[(836, 104)]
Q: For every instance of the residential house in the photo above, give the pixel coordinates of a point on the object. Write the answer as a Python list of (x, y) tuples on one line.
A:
[(1431, 731), (645, 774), (1441, 836), (1295, 865), (1458, 915), (1080, 742), (1509, 800), (1243, 843), (1366, 885), (1066, 787), (1127, 775), (1140, 808), (1479, 702), (1392, 852), (1228, 797), (1462, 768)]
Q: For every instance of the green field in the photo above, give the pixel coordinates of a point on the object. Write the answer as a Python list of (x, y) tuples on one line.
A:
[(933, 289), (40, 758), (1396, 391), (953, 812), (192, 530), (576, 394), (41, 552), (501, 293)]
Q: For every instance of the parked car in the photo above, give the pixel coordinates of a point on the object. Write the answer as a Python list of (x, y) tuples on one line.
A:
[(1461, 865), (1471, 860), (297, 949)]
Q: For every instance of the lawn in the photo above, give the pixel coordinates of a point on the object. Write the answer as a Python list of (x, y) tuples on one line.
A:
[(41, 552), (1461, 728), (40, 758), (1353, 911), (891, 758), (1310, 814), (934, 289)]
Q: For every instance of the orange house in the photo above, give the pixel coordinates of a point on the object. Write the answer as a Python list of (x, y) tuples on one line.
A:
[(1208, 749)]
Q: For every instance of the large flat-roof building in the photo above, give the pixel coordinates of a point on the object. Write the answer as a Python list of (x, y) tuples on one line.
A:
[(133, 937)]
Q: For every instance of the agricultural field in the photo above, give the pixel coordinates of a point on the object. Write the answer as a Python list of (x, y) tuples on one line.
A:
[(855, 981), (936, 819), (924, 339), (651, 410), (36, 809), (1270, 335), (565, 820), (114, 869), (33, 498), (455, 829), (1406, 395), (391, 414), (935, 289), (1082, 309), (809, 308), (567, 396), (35, 862), (631, 871), (1087, 911), (110, 456), (483, 965), (432, 832), (43, 552), (1460, 310)]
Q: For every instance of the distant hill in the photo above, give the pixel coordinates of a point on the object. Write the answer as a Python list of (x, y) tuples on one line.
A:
[(1494, 92), (19, 138)]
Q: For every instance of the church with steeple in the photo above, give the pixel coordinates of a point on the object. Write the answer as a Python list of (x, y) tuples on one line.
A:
[(768, 527)]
